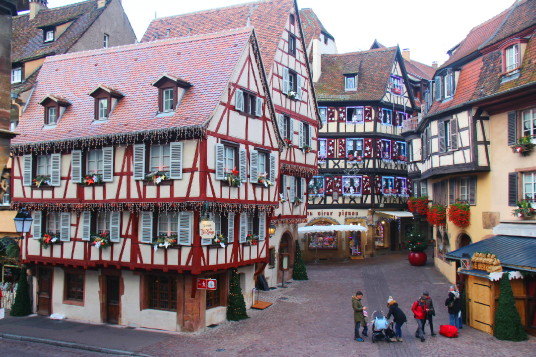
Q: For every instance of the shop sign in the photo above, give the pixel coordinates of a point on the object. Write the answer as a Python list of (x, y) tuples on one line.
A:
[(206, 284), (207, 229)]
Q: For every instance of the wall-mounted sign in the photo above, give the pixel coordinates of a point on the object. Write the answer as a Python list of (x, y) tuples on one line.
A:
[(207, 229), (206, 284)]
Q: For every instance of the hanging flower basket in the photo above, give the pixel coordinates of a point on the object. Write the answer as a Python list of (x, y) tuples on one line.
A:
[(165, 241), (524, 146), (437, 215), (42, 180), (459, 214), (49, 239), (524, 210), (92, 179), (157, 176), (418, 205), (101, 240), (219, 239)]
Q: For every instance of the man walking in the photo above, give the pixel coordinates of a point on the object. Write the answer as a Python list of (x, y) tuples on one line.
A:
[(359, 316), (430, 312), (419, 312)]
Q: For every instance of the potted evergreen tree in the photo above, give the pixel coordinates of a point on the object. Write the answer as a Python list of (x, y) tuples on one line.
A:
[(417, 244)]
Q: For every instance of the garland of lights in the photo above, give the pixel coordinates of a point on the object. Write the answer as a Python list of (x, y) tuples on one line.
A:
[(289, 220), (152, 136), (299, 171)]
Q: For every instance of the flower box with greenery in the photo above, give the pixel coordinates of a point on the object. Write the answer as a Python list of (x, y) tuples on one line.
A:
[(92, 179), (282, 198), (354, 158), (40, 180), (291, 94), (157, 177), (252, 239), (418, 205), (437, 215), (219, 239), (297, 201), (233, 178), (401, 158), (459, 214), (288, 142), (165, 241), (306, 149), (524, 209), (263, 180), (49, 239), (524, 146), (101, 240)]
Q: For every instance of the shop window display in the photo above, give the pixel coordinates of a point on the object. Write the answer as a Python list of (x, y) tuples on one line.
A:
[(324, 240)]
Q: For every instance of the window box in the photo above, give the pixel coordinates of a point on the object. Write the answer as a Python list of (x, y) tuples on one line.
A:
[(92, 179), (233, 178), (49, 239), (524, 210), (165, 241), (252, 239), (157, 177), (524, 146), (307, 149), (40, 180), (101, 240), (291, 94), (436, 216), (219, 240), (263, 180)]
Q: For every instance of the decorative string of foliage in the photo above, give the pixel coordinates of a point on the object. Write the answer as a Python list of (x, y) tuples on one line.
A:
[(300, 271), (507, 321), (236, 308), (459, 214), (22, 305)]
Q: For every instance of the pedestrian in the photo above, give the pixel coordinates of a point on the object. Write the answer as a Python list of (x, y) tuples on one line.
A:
[(454, 307), (359, 317), (399, 317), (430, 312), (365, 323), (419, 312), (459, 289)]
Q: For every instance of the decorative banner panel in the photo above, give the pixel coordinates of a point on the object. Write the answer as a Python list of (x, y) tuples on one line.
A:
[(337, 184), (379, 147), (377, 185), (331, 148), (328, 182), (342, 114), (368, 148), (342, 148), (368, 113), (331, 114), (366, 185)]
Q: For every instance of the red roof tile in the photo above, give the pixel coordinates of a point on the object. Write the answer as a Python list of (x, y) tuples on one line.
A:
[(419, 69), (268, 17), (521, 16), (206, 61), (312, 27)]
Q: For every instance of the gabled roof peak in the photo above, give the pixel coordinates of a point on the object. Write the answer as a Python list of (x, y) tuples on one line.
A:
[(113, 92), (55, 98)]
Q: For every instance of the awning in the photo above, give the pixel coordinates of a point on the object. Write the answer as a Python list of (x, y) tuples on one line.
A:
[(397, 214), (514, 252), (333, 228)]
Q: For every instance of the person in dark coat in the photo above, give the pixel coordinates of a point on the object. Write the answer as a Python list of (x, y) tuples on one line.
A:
[(398, 317), (419, 312), (359, 317), (430, 312), (454, 306)]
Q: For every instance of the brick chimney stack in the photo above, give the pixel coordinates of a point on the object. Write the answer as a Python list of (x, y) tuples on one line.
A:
[(434, 65), (405, 54), (36, 6), (101, 3)]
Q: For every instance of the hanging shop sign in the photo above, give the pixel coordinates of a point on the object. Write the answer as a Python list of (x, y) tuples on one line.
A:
[(206, 284), (207, 229)]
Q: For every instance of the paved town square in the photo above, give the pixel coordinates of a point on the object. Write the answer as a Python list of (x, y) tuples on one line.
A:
[(308, 318)]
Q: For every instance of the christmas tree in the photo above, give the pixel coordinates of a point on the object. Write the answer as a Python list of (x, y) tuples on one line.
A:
[(22, 305), (507, 321), (299, 272), (236, 308)]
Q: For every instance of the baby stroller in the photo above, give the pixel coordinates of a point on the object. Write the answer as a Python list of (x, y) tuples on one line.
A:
[(382, 329)]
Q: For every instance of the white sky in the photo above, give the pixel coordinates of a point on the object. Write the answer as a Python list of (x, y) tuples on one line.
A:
[(429, 28)]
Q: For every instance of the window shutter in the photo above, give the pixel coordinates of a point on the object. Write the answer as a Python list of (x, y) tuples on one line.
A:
[(258, 106), (146, 227), (285, 88), (512, 128), (298, 87), (176, 155), (290, 135), (65, 226), (273, 168), (262, 226), (303, 188), (185, 228), (437, 88), (220, 174), (27, 170), (115, 227), (37, 224), (281, 124), (76, 165), (472, 190), (239, 100), (86, 225), (55, 169), (253, 166), (302, 134), (292, 185), (441, 130), (243, 165), (139, 161), (243, 227), (512, 189), (309, 136), (454, 134), (452, 191), (230, 227), (108, 164)]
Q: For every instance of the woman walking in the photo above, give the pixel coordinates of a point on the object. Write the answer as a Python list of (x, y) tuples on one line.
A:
[(398, 317)]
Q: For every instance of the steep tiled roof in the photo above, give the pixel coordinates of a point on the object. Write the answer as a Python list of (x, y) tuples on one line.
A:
[(268, 17), (28, 34), (205, 61), (373, 68), (419, 69), (521, 16), (312, 27)]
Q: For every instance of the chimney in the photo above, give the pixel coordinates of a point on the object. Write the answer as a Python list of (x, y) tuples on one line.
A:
[(36, 6), (405, 54), (101, 3), (434, 65)]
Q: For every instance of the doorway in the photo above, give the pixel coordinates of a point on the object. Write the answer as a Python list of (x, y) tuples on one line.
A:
[(44, 293), (112, 299)]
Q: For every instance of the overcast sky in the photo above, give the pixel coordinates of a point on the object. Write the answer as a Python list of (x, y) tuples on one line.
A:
[(429, 28)]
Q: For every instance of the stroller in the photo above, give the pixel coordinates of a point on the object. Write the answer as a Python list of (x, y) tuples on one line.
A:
[(382, 329)]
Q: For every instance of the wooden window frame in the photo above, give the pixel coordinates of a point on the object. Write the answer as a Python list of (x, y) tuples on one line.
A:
[(531, 131), (220, 294), (172, 290), (47, 113), (517, 54), (292, 81), (347, 81), (18, 70), (250, 103), (165, 84), (292, 41), (46, 31), (85, 161), (523, 184), (351, 111), (67, 298), (106, 40)]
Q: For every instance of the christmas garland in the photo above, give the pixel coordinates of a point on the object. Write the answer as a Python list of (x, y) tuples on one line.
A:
[(459, 214), (298, 171), (289, 220), (437, 215)]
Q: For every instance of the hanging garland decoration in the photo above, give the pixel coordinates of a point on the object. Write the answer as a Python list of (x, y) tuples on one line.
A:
[(299, 171), (459, 214), (289, 220), (437, 215), (151, 136)]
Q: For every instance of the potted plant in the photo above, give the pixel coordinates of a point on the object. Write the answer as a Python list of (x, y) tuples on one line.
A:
[(418, 205), (165, 241), (92, 179), (291, 94), (523, 146), (233, 179), (524, 209), (49, 239), (437, 215), (417, 244), (288, 142), (157, 176), (297, 201), (252, 239), (263, 180), (307, 148), (42, 180), (101, 240), (282, 198), (219, 239), (459, 214)]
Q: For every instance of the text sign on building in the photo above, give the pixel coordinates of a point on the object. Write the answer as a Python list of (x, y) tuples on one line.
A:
[(206, 284), (207, 229)]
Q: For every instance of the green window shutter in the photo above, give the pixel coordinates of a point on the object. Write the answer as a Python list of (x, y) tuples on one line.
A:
[(472, 190), (512, 128), (512, 188)]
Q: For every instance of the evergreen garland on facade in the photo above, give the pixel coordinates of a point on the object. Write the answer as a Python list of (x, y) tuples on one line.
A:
[(22, 305), (236, 307), (507, 321), (299, 272)]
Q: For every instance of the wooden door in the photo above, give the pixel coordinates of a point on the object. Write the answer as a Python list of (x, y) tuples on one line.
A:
[(112, 299), (481, 306), (44, 294)]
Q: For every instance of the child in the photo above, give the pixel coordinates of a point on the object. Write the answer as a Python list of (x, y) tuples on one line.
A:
[(365, 325)]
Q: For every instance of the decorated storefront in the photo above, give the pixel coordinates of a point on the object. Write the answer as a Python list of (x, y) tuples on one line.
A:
[(390, 228)]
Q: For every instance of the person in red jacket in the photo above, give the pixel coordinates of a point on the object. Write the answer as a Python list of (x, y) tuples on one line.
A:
[(419, 312)]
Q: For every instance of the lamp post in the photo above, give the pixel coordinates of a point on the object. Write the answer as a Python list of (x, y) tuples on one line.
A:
[(271, 230), (23, 222)]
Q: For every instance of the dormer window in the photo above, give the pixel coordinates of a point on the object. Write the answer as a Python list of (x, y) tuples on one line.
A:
[(52, 115), (106, 99), (350, 82), (48, 35), (511, 57), (170, 92), (445, 85), (54, 108), (16, 75), (106, 40)]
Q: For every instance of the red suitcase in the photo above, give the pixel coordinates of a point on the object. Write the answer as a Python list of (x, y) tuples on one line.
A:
[(448, 331)]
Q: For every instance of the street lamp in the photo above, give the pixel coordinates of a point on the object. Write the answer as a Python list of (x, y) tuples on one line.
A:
[(23, 221), (271, 230)]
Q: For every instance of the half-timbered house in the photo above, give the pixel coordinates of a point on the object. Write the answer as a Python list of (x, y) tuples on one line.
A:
[(123, 154), (283, 52)]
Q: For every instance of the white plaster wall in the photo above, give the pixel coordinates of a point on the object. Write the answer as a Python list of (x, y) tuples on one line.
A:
[(216, 315)]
